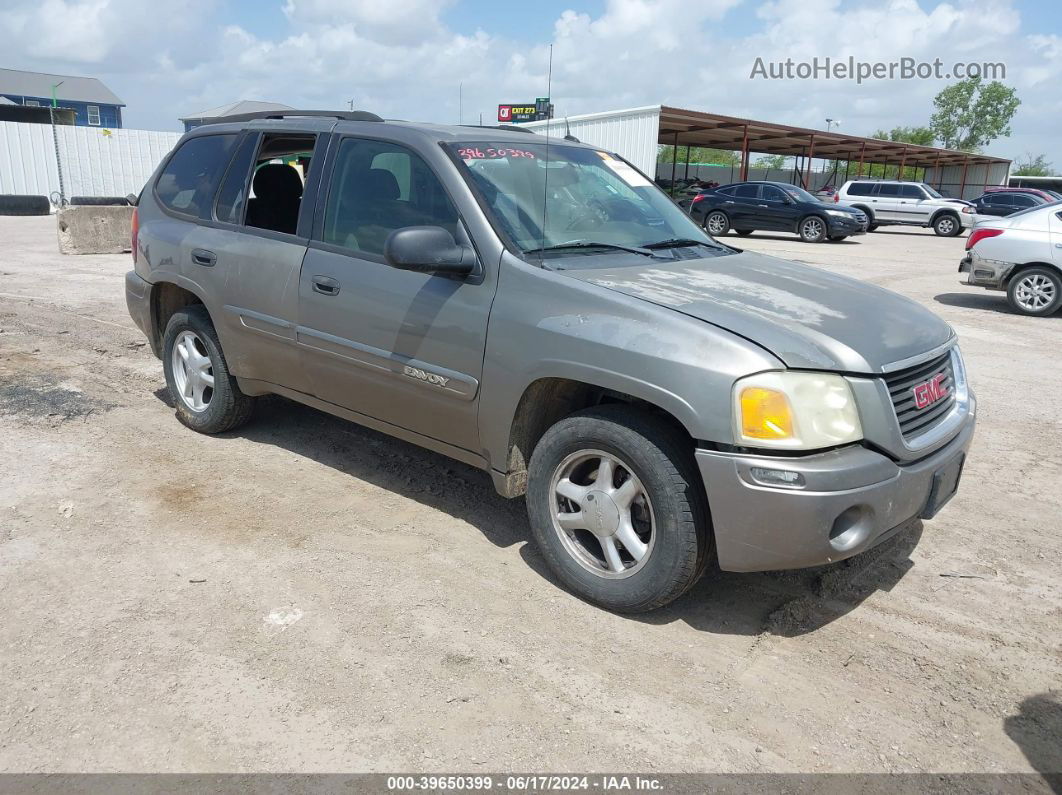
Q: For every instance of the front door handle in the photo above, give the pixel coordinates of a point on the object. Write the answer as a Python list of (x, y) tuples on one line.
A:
[(325, 285), (761, 205), (200, 256)]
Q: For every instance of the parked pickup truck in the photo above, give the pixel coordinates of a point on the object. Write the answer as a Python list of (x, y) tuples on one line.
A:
[(541, 310)]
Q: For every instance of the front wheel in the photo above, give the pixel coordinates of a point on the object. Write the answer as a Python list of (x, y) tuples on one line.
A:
[(744, 232), (617, 509), (947, 226), (837, 238), (205, 394), (1036, 291), (717, 223), (812, 229)]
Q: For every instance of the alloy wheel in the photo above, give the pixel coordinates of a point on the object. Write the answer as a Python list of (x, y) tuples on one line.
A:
[(716, 224), (193, 372), (602, 514), (1034, 292), (813, 229)]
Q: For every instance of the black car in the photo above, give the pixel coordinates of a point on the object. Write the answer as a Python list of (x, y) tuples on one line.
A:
[(1002, 203), (746, 207)]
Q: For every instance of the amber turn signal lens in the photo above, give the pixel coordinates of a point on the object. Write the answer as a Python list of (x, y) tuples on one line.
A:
[(765, 414)]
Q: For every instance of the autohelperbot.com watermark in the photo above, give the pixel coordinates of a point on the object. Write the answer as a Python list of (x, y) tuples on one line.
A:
[(849, 68)]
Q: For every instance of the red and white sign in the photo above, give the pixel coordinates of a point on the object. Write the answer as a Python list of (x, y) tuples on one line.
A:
[(929, 392), (505, 112)]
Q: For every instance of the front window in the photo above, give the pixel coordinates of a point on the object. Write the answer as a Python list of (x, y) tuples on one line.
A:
[(94, 115), (575, 197)]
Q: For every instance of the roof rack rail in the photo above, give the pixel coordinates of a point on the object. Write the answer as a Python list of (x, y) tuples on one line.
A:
[(508, 127), (341, 115)]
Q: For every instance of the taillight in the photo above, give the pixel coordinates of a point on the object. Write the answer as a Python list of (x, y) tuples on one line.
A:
[(978, 235), (699, 198), (837, 198), (136, 230)]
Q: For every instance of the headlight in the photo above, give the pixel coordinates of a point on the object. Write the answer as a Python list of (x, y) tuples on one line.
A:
[(795, 411), (840, 214)]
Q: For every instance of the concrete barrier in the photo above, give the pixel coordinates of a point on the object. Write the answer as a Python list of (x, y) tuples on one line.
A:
[(94, 230)]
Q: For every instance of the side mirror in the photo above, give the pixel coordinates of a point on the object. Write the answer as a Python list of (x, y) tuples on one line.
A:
[(133, 199), (428, 249)]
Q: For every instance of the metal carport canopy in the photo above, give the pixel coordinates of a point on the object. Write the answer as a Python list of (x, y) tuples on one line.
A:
[(680, 127)]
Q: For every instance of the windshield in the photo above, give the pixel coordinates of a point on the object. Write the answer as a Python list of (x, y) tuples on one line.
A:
[(579, 201), (799, 194), (932, 192)]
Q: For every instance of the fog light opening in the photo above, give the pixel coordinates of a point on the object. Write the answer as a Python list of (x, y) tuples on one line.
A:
[(851, 528), (782, 478)]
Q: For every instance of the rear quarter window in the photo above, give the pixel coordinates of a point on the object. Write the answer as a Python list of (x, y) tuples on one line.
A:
[(190, 179), (861, 189)]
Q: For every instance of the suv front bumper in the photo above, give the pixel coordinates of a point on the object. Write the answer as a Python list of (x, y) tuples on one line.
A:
[(852, 499)]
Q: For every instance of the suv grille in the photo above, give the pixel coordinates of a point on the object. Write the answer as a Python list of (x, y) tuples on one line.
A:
[(915, 421)]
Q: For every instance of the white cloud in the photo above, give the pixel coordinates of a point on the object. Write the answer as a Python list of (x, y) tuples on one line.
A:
[(401, 59)]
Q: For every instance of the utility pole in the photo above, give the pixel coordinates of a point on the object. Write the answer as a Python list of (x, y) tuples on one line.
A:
[(350, 102), (460, 103)]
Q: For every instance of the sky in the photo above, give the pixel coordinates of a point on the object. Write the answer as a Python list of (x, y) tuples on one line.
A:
[(412, 59)]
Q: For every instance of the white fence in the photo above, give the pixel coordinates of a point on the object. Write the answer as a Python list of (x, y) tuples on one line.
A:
[(95, 161)]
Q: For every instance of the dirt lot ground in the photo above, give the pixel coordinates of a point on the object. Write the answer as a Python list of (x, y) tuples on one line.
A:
[(307, 595)]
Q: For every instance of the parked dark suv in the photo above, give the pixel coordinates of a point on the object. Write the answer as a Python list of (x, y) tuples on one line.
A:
[(746, 207), (542, 311)]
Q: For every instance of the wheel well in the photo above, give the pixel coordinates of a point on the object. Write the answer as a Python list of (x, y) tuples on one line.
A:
[(1024, 267), (943, 211), (166, 299), (545, 403)]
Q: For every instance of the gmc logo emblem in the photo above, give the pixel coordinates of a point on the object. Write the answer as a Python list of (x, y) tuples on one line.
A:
[(928, 393)]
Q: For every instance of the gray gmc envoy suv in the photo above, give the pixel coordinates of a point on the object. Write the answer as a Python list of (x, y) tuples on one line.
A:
[(539, 309)]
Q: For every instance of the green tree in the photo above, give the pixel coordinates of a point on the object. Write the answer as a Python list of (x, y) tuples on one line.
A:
[(922, 136), (770, 161), (698, 154), (1033, 167), (971, 114)]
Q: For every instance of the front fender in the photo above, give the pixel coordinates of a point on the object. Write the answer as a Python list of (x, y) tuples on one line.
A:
[(547, 325)]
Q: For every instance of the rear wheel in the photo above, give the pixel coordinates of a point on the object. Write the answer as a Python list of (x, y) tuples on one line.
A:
[(872, 228), (617, 509), (206, 396), (812, 229), (717, 223), (744, 232), (837, 238), (1036, 291), (947, 225)]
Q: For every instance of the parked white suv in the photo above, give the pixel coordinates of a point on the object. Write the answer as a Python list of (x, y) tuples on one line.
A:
[(889, 202)]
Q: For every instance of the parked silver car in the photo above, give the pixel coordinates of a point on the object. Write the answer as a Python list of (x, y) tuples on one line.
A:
[(1021, 254), (891, 202), (542, 311)]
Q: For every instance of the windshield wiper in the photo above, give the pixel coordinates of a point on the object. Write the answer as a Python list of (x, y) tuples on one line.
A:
[(678, 242), (576, 244)]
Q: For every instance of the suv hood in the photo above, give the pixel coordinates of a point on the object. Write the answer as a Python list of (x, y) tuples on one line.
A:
[(807, 317)]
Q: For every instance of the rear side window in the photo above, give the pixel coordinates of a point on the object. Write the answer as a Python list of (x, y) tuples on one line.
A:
[(188, 182), (747, 191), (889, 189), (861, 189), (232, 198)]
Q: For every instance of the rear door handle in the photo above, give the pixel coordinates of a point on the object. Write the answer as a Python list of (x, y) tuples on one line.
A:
[(728, 202), (761, 205), (325, 285), (200, 256)]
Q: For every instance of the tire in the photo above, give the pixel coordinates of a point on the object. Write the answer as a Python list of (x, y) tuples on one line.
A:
[(812, 229), (99, 201), (718, 221), (872, 228), (24, 205), (744, 232), (947, 225), (670, 503), (1036, 291), (223, 406), (837, 238)]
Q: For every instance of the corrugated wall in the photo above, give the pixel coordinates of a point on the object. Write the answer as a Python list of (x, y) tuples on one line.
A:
[(632, 133), (949, 179), (95, 162)]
